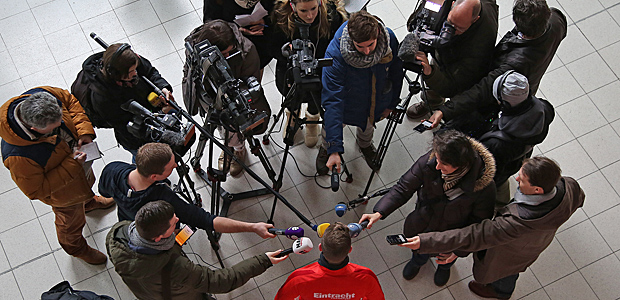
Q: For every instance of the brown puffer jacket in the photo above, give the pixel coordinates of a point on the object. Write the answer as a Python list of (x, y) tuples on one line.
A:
[(44, 169)]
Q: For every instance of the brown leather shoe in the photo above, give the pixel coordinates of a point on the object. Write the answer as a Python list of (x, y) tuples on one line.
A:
[(99, 202), (93, 257), (484, 290), (235, 167), (417, 110)]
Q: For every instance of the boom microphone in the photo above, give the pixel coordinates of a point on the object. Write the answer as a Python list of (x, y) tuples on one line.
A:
[(356, 228), (300, 246), (137, 109), (409, 47), (172, 138), (292, 233)]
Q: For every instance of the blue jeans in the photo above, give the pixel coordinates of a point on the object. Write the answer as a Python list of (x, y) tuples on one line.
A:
[(506, 286)]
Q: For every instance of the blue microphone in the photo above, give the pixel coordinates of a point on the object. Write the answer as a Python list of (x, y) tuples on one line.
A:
[(341, 209), (356, 228)]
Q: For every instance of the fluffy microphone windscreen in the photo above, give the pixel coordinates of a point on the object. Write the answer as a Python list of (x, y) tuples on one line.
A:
[(408, 47)]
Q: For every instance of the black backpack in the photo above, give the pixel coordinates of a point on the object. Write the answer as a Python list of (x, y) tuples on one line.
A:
[(64, 291)]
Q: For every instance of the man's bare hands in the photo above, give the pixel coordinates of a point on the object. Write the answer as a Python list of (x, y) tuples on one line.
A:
[(83, 140), (262, 229), (446, 258), (334, 159), (272, 256), (413, 243), (426, 66), (372, 218), (79, 156), (436, 118)]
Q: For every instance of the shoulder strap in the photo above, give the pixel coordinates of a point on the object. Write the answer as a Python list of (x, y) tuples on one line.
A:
[(165, 280)]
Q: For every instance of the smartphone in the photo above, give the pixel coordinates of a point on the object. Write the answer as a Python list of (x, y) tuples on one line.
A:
[(396, 239), (184, 235), (426, 125)]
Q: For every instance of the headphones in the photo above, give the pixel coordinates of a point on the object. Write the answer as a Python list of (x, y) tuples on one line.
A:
[(293, 4), (111, 71), (498, 90)]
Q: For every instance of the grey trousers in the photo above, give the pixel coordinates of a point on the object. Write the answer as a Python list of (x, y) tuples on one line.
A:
[(364, 137)]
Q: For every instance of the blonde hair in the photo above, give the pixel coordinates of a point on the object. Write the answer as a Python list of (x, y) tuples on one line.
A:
[(284, 16)]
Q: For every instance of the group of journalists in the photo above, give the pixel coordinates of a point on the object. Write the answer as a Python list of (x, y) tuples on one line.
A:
[(491, 122)]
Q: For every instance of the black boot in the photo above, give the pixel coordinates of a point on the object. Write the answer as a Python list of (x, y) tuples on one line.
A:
[(442, 275), (411, 270)]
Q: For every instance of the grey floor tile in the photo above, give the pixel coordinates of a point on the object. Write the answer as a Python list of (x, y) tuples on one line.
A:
[(68, 43), (10, 290), (559, 134), (86, 9), (574, 46), (560, 87), (136, 16), (364, 248), (607, 224), (573, 160), (283, 267), (20, 29), (526, 284), (14, 8), (419, 287), (270, 289), (600, 29), (537, 295), (121, 288), (50, 76), (583, 244), (602, 276), (591, 72), (74, 269), (142, 44), (107, 26), (390, 288), (180, 27), (612, 173), (32, 289), (552, 264), (603, 99), (600, 196), (54, 16), (601, 145), (575, 112), (578, 10), (24, 242), (8, 91), (4, 262), (609, 56), (572, 286), (15, 209), (100, 284), (389, 13), (9, 72), (168, 10), (31, 57)]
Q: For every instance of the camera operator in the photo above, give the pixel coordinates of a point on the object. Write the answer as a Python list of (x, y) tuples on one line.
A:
[(360, 88), (42, 131), (454, 183), (154, 266), (111, 78), (244, 63), (324, 17), (465, 60), (132, 186), (528, 49)]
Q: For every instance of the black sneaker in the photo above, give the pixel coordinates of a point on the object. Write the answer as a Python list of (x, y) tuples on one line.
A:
[(370, 153), (411, 270), (442, 275), (321, 162)]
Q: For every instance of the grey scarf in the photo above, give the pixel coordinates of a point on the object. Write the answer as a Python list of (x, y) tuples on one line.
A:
[(533, 199), (137, 241), (357, 59)]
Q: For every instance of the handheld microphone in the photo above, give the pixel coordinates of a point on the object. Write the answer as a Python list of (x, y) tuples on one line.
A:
[(335, 179), (300, 246), (292, 233), (356, 228), (320, 230), (341, 209)]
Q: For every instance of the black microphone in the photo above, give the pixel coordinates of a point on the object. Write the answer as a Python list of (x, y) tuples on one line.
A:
[(292, 233), (135, 108), (409, 47), (335, 179), (172, 138)]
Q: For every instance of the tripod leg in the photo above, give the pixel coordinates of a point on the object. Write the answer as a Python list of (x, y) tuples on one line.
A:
[(215, 245)]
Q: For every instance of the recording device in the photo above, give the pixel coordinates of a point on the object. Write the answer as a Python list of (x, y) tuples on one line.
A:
[(335, 179), (300, 54), (300, 246), (184, 235), (396, 239), (424, 126), (320, 230), (159, 127), (356, 228), (428, 30), (292, 233), (229, 97), (341, 209)]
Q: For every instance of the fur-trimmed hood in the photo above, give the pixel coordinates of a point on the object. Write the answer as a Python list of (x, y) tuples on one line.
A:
[(488, 171)]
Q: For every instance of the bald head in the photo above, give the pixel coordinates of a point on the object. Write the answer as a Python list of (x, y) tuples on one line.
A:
[(463, 14)]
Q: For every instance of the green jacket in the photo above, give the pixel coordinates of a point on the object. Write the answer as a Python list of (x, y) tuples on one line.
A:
[(142, 273)]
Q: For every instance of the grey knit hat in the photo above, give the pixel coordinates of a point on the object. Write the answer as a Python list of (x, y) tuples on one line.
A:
[(513, 87)]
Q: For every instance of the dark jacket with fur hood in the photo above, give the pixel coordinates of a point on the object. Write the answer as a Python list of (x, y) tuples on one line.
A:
[(434, 212)]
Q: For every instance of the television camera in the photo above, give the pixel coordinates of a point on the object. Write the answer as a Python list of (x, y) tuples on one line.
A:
[(229, 98)]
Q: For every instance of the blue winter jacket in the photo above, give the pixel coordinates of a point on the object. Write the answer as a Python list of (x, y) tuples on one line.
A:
[(346, 94)]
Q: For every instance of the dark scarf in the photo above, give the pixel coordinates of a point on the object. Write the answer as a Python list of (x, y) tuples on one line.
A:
[(144, 246), (533, 199), (324, 263), (382, 53)]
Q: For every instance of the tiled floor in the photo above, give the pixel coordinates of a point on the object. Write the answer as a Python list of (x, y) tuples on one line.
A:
[(45, 42)]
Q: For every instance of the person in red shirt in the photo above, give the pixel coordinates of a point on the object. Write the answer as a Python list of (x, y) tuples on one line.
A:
[(332, 277)]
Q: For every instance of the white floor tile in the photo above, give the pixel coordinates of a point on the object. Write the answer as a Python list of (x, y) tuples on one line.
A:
[(581, 116), (32, 57), (54, 16), (572, 286), (32, 288), (607, 224), (168, 10), (19, 29), (100, 284), (390, 288), (68, 43), (12, 7), (392, 255), (8, 91), (600, 29), (591, 72), (388, 12), (603, 98), (397, 161), (612, 173), (319, 200), (170, 67), (50, 76), (574, 46), (419, 287), (143, 43), (559, 134), (4, 262), (573, 160), (74, 269), (601, 145), (9, 72), (610, 57), (583, 244), (552, 264), (581, 9), (24, 242), (10, 290), (245, 240), (35, 3), (180, 27), (107, 27), (600, 196), (560, 87), (137, 16), (602, 277), (537, 295), (15, 209), (86, 9), (364, 248)]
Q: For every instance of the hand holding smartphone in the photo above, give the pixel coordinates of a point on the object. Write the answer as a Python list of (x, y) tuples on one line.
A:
[(424, 126), (396, 239)]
